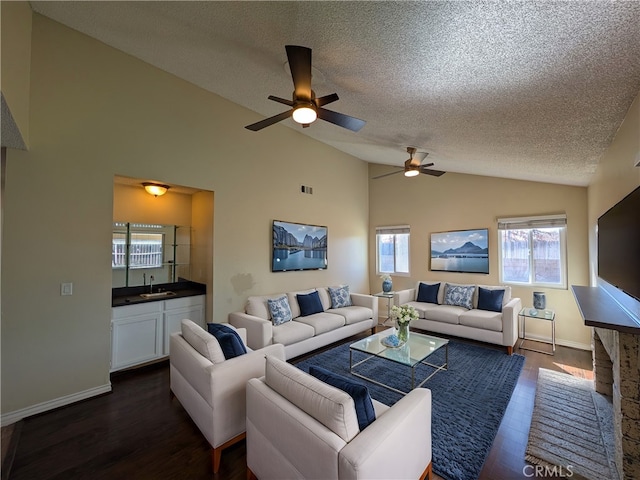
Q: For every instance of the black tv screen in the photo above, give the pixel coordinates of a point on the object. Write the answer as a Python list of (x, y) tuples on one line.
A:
[(619, 245)]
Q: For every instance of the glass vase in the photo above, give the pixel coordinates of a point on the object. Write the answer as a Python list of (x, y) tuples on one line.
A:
[(403, 332)]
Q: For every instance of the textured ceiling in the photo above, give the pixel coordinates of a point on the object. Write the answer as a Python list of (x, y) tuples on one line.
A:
[(527, 90)]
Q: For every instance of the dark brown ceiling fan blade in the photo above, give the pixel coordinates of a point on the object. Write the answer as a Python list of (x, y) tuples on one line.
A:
[(269, 121), (281, 100), (300, 66), (340, 119), (326, 100), (433, 173), (386, 175)]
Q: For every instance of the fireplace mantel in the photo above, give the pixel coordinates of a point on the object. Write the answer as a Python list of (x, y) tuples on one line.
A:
[(599, 308)]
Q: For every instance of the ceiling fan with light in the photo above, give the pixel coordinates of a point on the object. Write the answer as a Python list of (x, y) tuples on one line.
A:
[(413, 167), (305, 107)]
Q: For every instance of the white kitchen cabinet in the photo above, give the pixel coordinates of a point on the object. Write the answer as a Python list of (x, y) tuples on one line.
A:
[(178, 309), (140, 333)]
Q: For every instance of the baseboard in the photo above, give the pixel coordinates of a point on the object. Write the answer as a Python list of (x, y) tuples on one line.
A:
[(17, 415), (564, 343)]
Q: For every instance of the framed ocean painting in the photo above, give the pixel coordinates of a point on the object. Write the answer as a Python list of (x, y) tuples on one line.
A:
[(463, 251), (298, 246)]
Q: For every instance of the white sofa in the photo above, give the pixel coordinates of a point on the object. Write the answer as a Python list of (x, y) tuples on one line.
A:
[(299, 427), (499, 328), (305, 333), (211, 389)]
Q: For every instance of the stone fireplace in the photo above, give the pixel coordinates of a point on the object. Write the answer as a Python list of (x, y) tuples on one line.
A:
[(616, 368)]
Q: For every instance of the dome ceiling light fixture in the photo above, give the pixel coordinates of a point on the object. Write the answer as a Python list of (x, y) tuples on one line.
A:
[(155, 189)]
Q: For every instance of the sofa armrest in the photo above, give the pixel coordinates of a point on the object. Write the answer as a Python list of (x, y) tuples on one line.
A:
[(404, 296), (510, 321), (402, 433), (259, 330), (364, 300)]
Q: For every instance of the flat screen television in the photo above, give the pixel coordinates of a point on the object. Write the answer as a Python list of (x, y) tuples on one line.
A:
[(619, 245), (298, 246)]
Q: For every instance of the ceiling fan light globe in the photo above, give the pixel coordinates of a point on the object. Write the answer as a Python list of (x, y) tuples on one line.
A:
[(304, 115), (411, 173)]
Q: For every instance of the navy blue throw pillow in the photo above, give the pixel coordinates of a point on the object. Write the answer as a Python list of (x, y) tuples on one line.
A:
[(490, 299), (309, 304), (229, 340), (359, 392), (428, 293)]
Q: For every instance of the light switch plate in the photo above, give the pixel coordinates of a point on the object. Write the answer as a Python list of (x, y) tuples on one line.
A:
[(66, 289)]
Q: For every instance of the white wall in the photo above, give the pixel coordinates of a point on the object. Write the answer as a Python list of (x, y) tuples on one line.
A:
[(464, 202), (95, 113), (15, 35), (615, 178)]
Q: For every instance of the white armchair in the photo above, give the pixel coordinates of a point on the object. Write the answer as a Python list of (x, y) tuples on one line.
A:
[(211, 389), (299, 427)]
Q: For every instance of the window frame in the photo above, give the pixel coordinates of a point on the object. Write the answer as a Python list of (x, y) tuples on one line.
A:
[(530, 224), (128, 231), (394, 230)]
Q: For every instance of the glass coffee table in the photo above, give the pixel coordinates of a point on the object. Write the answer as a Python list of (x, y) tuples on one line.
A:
[(413, 353)]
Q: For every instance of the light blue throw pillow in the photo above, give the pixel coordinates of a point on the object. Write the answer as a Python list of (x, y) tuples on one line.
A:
[(340, 297), (279, 309), (459, 295)]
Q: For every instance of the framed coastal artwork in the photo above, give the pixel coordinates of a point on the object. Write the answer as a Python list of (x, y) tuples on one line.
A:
[(298, 246), (464, 251)]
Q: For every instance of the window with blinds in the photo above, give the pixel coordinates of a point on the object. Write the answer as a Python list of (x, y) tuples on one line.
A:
[(392, 250), (532, 250)]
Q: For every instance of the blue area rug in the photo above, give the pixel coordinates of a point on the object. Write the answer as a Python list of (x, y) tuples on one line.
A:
[(468, 400)]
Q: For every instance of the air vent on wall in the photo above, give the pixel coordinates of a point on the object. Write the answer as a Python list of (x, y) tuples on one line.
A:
[(306, 189)]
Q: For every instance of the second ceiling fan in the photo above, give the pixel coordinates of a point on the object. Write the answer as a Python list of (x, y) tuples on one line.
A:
[(413, 167), (305, 107)]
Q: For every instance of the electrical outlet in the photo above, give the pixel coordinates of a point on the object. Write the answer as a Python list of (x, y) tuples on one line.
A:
[(66, 289)]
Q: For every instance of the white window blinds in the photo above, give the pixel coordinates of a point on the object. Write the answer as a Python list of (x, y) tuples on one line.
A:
[(520, 223)]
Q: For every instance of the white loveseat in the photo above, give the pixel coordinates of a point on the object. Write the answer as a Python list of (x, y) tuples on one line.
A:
[(496, 327), (299, 427), (305, 333)]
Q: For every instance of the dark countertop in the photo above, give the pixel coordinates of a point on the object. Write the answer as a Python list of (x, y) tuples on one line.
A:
[(123, 296)]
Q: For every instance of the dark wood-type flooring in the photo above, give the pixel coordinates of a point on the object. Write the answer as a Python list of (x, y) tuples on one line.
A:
[(140, 432)]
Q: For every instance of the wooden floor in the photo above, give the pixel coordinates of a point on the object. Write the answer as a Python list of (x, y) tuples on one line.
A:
[(139, 432)]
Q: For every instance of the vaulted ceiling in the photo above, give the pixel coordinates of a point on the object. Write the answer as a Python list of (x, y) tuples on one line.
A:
[(529, 90)]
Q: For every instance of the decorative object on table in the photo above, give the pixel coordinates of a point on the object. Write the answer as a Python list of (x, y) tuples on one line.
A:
[(392, 341), (387, 283), (403, 315), (460, 251), (539, 300), (533, 311), (298, 246)]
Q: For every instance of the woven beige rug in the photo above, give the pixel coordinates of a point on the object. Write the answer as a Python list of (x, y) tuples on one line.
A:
[(571, 428)]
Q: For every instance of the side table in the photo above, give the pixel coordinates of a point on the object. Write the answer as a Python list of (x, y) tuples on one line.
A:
[(389, 297), (547, 315)]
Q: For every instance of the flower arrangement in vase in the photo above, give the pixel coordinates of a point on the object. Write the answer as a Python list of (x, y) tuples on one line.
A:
[(403, 315), (387, 284)]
